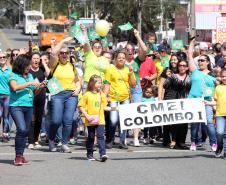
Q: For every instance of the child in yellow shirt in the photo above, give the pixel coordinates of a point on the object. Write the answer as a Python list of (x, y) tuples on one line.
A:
[(220, 98), (92, 105)]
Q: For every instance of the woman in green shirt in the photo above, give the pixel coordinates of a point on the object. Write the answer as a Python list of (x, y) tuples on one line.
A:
[(22, 86)]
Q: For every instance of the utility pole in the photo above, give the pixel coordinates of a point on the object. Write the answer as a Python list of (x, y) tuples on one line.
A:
[(192, 18), (94, 12), (41, 5), (161, 17), (139, 16)]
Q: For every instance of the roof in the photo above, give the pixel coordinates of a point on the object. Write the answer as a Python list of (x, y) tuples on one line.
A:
[(32, 12), (50, 21)]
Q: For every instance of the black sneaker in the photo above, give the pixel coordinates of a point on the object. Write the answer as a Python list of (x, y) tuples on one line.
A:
[(103, 158), (123, 146), (109, 145), (91, 158), (218, 152), (224, 156)]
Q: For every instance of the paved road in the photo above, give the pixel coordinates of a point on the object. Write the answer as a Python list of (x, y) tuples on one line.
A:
[(146, 165), (13, 38)]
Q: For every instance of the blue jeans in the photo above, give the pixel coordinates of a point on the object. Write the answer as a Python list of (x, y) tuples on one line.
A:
[(210, 125), (99, 129), (46, 116), (221, 132), (136, 93), (114, 122), (22, 117), (210, 128), (63, 106), (7, 121)]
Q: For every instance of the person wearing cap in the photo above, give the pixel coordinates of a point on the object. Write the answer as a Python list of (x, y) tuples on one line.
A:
[(164, 57), (203, 50)]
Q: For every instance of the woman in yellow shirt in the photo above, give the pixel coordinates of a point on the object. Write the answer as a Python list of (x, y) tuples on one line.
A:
[(64, 103), (118, 80)]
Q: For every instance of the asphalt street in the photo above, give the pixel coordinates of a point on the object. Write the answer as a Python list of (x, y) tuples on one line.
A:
[(145, 165)]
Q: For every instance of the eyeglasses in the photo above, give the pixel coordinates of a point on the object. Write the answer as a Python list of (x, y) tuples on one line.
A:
[(15, 54), (63, 53), (201, 60), (2, 57), (97, 47), (182, 65)]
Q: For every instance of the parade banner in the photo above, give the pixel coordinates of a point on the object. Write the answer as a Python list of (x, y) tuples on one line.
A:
[(157, 113)]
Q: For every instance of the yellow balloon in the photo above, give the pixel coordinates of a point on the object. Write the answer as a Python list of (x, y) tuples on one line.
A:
[(102, 28)]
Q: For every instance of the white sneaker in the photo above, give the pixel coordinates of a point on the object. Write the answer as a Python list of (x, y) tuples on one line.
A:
[(146, 141), (214, 147), (31, 146), (37, 145), (136, 142), (43, 135), (193, 147), (59, 144)]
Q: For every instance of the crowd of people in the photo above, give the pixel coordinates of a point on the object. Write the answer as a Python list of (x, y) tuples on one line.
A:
[(54, 94)]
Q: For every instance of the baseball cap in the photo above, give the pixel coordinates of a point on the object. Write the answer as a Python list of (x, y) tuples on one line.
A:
[(203, 46), (161, 48)]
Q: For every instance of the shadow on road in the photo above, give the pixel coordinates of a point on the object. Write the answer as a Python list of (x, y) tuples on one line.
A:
[(10, 162), (168, 157)]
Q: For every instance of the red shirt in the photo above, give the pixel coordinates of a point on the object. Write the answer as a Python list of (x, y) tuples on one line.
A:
[(147, 68)]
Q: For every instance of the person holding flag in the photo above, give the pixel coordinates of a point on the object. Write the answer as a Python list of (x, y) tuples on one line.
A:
[(95, 63)]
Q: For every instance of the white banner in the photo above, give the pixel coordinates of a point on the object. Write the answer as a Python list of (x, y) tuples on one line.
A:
[(157, 113)]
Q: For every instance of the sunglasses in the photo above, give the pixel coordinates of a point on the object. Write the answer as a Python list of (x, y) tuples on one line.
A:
[(182, 66), (2, 57), (63, 53), (15, 54), (201, 60), (97, 47)]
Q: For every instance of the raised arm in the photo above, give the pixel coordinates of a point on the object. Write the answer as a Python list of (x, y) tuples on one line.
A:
[(132, 79), (86, 47), (142, 45), (191, 63), (56, 49)]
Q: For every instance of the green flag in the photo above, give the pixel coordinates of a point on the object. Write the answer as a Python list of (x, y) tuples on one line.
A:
[(92, 34), (76, 32), (54, 86), (177, 44), (74, 15), (104, 42), (125, 27)]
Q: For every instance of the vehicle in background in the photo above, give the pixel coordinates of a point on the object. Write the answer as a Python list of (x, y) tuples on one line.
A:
[(30, 21), (50, 29)]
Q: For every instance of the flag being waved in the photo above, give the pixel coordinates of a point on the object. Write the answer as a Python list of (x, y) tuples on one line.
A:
[(126, 27), (76, 32)]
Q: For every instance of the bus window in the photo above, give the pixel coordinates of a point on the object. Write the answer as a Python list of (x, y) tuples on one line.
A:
[(34, 18)]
